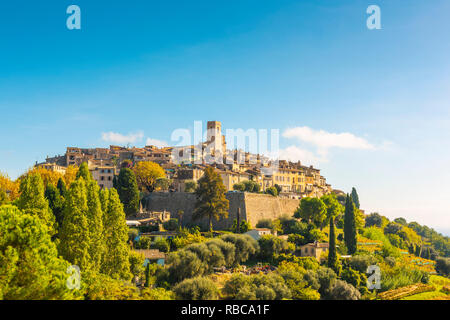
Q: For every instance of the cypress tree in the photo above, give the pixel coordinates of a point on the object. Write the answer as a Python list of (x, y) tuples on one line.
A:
[(128, 191), (350, 236), (61, 187), (332, 255), (55, 202), (116, 262), (74, 235), (83, 171), (95, 224), (355, 197), (32, 200)]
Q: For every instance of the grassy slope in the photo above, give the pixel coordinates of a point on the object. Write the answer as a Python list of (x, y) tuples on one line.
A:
[(438, 282)]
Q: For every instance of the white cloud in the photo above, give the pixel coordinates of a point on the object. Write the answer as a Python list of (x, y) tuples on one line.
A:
[(156, 142), (324, 140), (294, 153), (123, 139)]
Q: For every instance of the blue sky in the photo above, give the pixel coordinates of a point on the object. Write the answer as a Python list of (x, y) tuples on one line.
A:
[(149, 67)]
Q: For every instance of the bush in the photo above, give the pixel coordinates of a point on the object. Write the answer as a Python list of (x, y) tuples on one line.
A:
[(190, 186), (171, 225), (443, 266), (272, 191), (307, 263), (157, 294), (161, 244), (361, 262), (198, 288), (344, 291), (270, 245), (143, 243), (184, 264), (245, 246), (256, 287)]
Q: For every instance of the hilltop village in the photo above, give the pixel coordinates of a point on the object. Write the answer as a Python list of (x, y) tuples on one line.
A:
[(292, 179)]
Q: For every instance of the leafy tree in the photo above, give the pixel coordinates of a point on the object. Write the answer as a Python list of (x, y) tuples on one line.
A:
[(171, 225), (312, 210), (55, 202), (333, 207), (332, 254), (83, 171), (128, 191), (350, 236), (32, 200), (279, 189), (355, 197), (74, 234), (211, 200), (245, 246), (244, 226), (30, 268), (443, 266), (157, 294), (116, 263), (137, 268), (344, 291), (196, 289), (401, 221), (70, 175), (4, 199), (272, 191), (251, 186), (184, 264), (147, 174), (163, 184), (239, 187), (362, 262), (270, 245), (374, 219), (190, 186), (161, 244), (9, 186)]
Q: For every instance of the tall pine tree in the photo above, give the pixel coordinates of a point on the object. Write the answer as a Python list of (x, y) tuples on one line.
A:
[(355, 197), (128, 191), (332, 254), (83, 171), (211, 200), (350, 236), (116, 262), (32, 200), (74, 234), (95, 224), (61, 187)]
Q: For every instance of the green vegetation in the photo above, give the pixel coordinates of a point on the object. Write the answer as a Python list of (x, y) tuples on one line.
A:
[(211, 200)]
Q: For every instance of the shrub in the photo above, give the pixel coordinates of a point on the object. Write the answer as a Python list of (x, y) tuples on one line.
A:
[(171, 225), (272, 191), (443, 266), (256, 287), (157, 294), (143, 243), (270, 245), (198, 288), (362, 262), (245, 246), (161, 244), (184, 264), (344, 291)]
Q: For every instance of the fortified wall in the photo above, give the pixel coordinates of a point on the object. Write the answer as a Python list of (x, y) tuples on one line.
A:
[(253, 207)]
